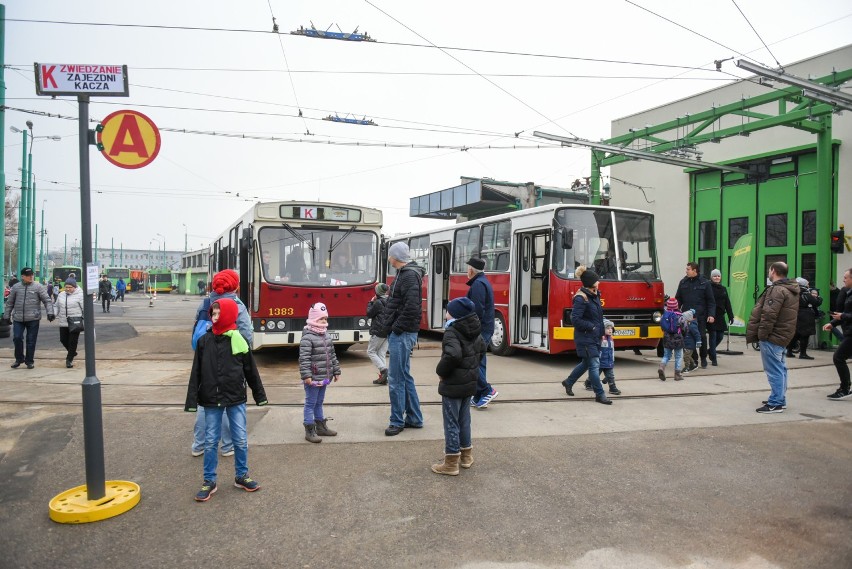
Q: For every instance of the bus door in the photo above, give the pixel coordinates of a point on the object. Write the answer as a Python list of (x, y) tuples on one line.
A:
[(439, 285), (522, 285)]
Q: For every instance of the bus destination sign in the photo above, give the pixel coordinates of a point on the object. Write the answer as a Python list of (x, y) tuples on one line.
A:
[(81, 79)]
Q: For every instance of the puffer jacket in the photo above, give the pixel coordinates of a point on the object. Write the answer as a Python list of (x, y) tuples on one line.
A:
[(587, 318), (607, 352), (774, 316), (219, 377), (25, 300), (405, 302), (374, 310), (69, 305), (243, 318), (461, 351), (317, 359)]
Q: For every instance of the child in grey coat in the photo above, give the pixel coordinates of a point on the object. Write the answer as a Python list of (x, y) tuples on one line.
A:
[(318, 366)]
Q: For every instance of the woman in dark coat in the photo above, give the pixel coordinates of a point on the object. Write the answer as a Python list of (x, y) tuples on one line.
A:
[(717, 329), (809, 302)]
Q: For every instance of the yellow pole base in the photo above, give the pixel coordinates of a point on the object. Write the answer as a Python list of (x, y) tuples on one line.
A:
[(73, 506)]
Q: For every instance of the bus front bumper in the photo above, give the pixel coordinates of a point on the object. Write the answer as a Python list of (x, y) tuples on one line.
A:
[(620, 332)]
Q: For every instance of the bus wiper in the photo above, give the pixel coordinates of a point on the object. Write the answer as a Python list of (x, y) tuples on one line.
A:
[(299, 237), (332, 245)]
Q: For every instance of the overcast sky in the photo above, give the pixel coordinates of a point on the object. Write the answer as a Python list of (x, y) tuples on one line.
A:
[(236, 82)]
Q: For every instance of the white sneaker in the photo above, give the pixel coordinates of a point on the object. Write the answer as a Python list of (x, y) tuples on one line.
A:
[(197, 452), (229, 453)]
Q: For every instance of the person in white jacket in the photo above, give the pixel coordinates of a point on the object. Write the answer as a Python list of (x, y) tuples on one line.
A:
[(69, 303)]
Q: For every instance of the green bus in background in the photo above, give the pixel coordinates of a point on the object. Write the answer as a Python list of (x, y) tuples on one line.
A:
[(115, 273), (63, 272), (160, 280)]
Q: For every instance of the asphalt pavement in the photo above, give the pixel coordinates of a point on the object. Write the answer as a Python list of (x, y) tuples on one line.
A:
[(673, 475)]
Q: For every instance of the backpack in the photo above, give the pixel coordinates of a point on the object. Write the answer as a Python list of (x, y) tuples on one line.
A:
[(202, 323), (670, 323)]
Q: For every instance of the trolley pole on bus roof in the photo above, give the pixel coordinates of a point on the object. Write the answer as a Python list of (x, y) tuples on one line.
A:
[(103, 500)]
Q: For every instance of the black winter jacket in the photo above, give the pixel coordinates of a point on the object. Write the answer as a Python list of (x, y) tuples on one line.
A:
[(587, 318), (461, 351), (844, 306), (218, 377), (374, 310), (404, 309), (482, 295), (723, 308), (696, 293), (807, 316)]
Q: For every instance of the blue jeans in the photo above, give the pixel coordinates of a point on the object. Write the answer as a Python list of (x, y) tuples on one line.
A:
[(483, 388), (456, 424), (314, 396), (403, 394), (593, 365), (774, 359), (31, 326), (678, 356), (213, 419), (201, 426)]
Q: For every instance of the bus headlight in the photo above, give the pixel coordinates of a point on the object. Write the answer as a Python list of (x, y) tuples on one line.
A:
[(281, 324), (270, 325), (362, 322), (657, 316)]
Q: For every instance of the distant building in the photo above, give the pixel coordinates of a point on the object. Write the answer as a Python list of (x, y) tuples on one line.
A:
[(139, 259)]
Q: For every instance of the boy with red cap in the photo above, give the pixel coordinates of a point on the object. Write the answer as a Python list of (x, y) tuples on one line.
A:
[(222, 367), (225, 284)]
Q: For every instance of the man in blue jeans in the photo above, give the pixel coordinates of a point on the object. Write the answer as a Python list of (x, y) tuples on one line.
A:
[(400, 322), (773, 324), (24, 308), (482, 295)]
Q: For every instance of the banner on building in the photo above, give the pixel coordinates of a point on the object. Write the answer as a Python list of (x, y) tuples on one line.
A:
[(741, 267)]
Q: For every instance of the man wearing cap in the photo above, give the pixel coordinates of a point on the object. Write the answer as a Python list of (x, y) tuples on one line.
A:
[(587, 318), (400, 322), (23, 307), (695, 292), (482, 295)]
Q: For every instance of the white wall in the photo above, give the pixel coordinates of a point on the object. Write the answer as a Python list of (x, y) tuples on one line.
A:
[(670, 184)]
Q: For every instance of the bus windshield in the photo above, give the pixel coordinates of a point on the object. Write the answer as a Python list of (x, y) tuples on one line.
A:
[(589, 237), (318, 257), (118, 273)]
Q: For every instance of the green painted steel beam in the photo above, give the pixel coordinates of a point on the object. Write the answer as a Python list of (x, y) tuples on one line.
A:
[(751, 114), (718, 112), (787, 119)]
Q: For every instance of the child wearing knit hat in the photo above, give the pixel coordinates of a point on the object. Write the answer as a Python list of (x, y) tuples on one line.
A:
[(691, 340), (318, 366), (378, 346), (672, 339)]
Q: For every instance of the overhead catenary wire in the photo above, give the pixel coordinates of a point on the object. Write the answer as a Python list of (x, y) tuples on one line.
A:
[(757, 34), (287, 65), (506, 91)]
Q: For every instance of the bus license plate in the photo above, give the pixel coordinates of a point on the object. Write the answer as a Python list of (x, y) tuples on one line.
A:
[(334, 335), (625, 332)]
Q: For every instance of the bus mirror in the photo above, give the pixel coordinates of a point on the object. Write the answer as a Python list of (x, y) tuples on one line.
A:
[(567, 238)]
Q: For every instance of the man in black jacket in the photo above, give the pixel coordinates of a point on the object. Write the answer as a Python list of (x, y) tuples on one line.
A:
[(400, 322), (105, 292), (694, 292)]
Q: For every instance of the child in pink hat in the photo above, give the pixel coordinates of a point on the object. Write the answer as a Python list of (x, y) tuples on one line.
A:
[(672, 339), (318, 366)]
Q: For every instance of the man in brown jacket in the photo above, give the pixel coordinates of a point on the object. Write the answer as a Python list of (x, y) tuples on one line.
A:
[(773, 324)]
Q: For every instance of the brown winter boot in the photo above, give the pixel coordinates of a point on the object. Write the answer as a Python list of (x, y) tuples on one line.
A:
[(450, 465), (678, 376), (311, 434), (323, 430), (466, 457), (662, 372)]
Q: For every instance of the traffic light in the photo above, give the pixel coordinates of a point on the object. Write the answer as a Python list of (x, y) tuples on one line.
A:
[(838, 240)]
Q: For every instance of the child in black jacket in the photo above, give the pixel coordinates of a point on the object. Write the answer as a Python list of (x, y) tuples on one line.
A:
[(222, 367), (458, 368)]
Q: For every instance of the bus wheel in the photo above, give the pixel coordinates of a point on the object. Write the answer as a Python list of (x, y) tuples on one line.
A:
[(499, 340), (340, 348)]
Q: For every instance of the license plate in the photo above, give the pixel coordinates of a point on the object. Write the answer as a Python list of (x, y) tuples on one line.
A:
[(334, 335), (624, 332)]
